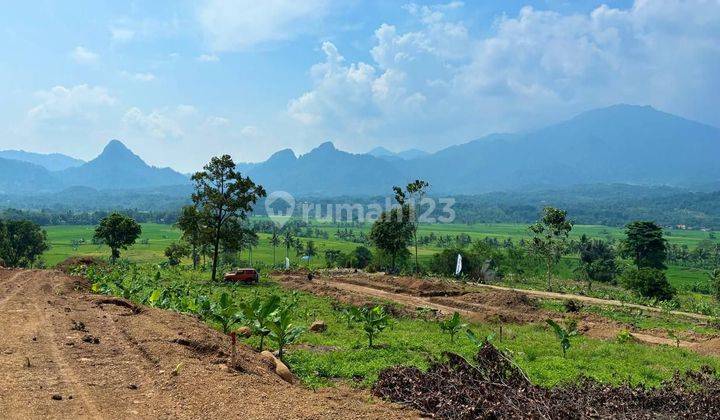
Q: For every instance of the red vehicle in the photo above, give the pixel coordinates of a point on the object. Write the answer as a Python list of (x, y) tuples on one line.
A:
[(242, 275)]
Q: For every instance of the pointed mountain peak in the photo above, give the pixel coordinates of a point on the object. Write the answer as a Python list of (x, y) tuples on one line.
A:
[(116, 150), (284, 154), (380, 151), (327, 146)]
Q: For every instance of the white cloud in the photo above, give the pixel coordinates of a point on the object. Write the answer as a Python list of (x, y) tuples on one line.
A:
[(78, 101), (439, 83), (159, 123), (122, 34), (231, 25), (249, 131), (83, 55), (140, 77), (215, 122), (208, 58)]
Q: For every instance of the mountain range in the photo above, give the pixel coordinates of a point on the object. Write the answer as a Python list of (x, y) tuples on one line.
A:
[(625, 144), (115, 168)]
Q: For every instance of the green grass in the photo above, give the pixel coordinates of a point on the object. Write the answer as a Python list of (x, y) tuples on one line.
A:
[(687, 280), (61, 238), (342, 353)]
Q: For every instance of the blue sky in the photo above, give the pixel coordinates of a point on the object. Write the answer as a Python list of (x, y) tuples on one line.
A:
[(180, 81)]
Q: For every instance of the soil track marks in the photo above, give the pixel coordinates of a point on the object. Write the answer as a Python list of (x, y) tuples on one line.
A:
[(138, 367), (481, 303)]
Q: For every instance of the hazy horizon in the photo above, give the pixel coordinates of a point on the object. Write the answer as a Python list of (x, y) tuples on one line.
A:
[(178, 82)]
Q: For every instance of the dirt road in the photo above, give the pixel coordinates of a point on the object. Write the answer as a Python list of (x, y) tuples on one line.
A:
[(66, 353)]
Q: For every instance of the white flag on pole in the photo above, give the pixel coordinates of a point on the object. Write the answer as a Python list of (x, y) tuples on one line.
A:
[(458, 267)]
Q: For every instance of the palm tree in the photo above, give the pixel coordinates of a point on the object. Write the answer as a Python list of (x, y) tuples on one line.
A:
[(250, 239), (310, 250), (288, 240), (274, 241)]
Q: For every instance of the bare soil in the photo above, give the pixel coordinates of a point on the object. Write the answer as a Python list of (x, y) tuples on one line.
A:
[(66, 353), (481, 303)]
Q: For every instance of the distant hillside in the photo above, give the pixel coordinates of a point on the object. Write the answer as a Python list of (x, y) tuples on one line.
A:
[(623, 144), (325, 171), (383, 153), (18, 177), (119, 168), (51, 162)]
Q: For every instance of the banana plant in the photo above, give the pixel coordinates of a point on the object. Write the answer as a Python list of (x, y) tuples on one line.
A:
[(564, 334), (374, 321), (282, 331), (257, 314), (225, 313), (452, 326), (476, 340)]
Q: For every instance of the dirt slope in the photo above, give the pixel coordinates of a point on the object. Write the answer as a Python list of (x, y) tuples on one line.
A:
[(107, 361)]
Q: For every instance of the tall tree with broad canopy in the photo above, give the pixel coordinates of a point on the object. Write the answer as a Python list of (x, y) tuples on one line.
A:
[(222, 193), (118, 232), (392, 233), (550, 238), (21, 242), (644, 243), (414, 192)]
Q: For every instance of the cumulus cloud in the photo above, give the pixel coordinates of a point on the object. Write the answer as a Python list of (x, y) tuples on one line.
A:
[(121, 34), (140, 77), (208, 58), (159, 123), (441, 81), (231, 25), (175, 122), (249, 131), (78, 101), (83, 55)]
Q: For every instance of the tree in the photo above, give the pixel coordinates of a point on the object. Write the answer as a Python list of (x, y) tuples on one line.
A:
[(644, 243), (190, 223), (310, 250), (175, 252), (648, 282), (550, 236), (414, 191), (21, 242), (222, 193), (288, 241), (274, 241), (392, 232), (715, 282), (118, 232), (363, 256), (597, 261), (249, 240)]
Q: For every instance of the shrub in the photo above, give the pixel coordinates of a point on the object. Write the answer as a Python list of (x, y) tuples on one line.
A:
[(648, 282), (564, 334), (175, 252), (452, 326), (374, 321)]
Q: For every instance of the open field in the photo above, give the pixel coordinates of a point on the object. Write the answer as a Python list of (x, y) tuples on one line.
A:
[(641, 356), (156, 237)]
